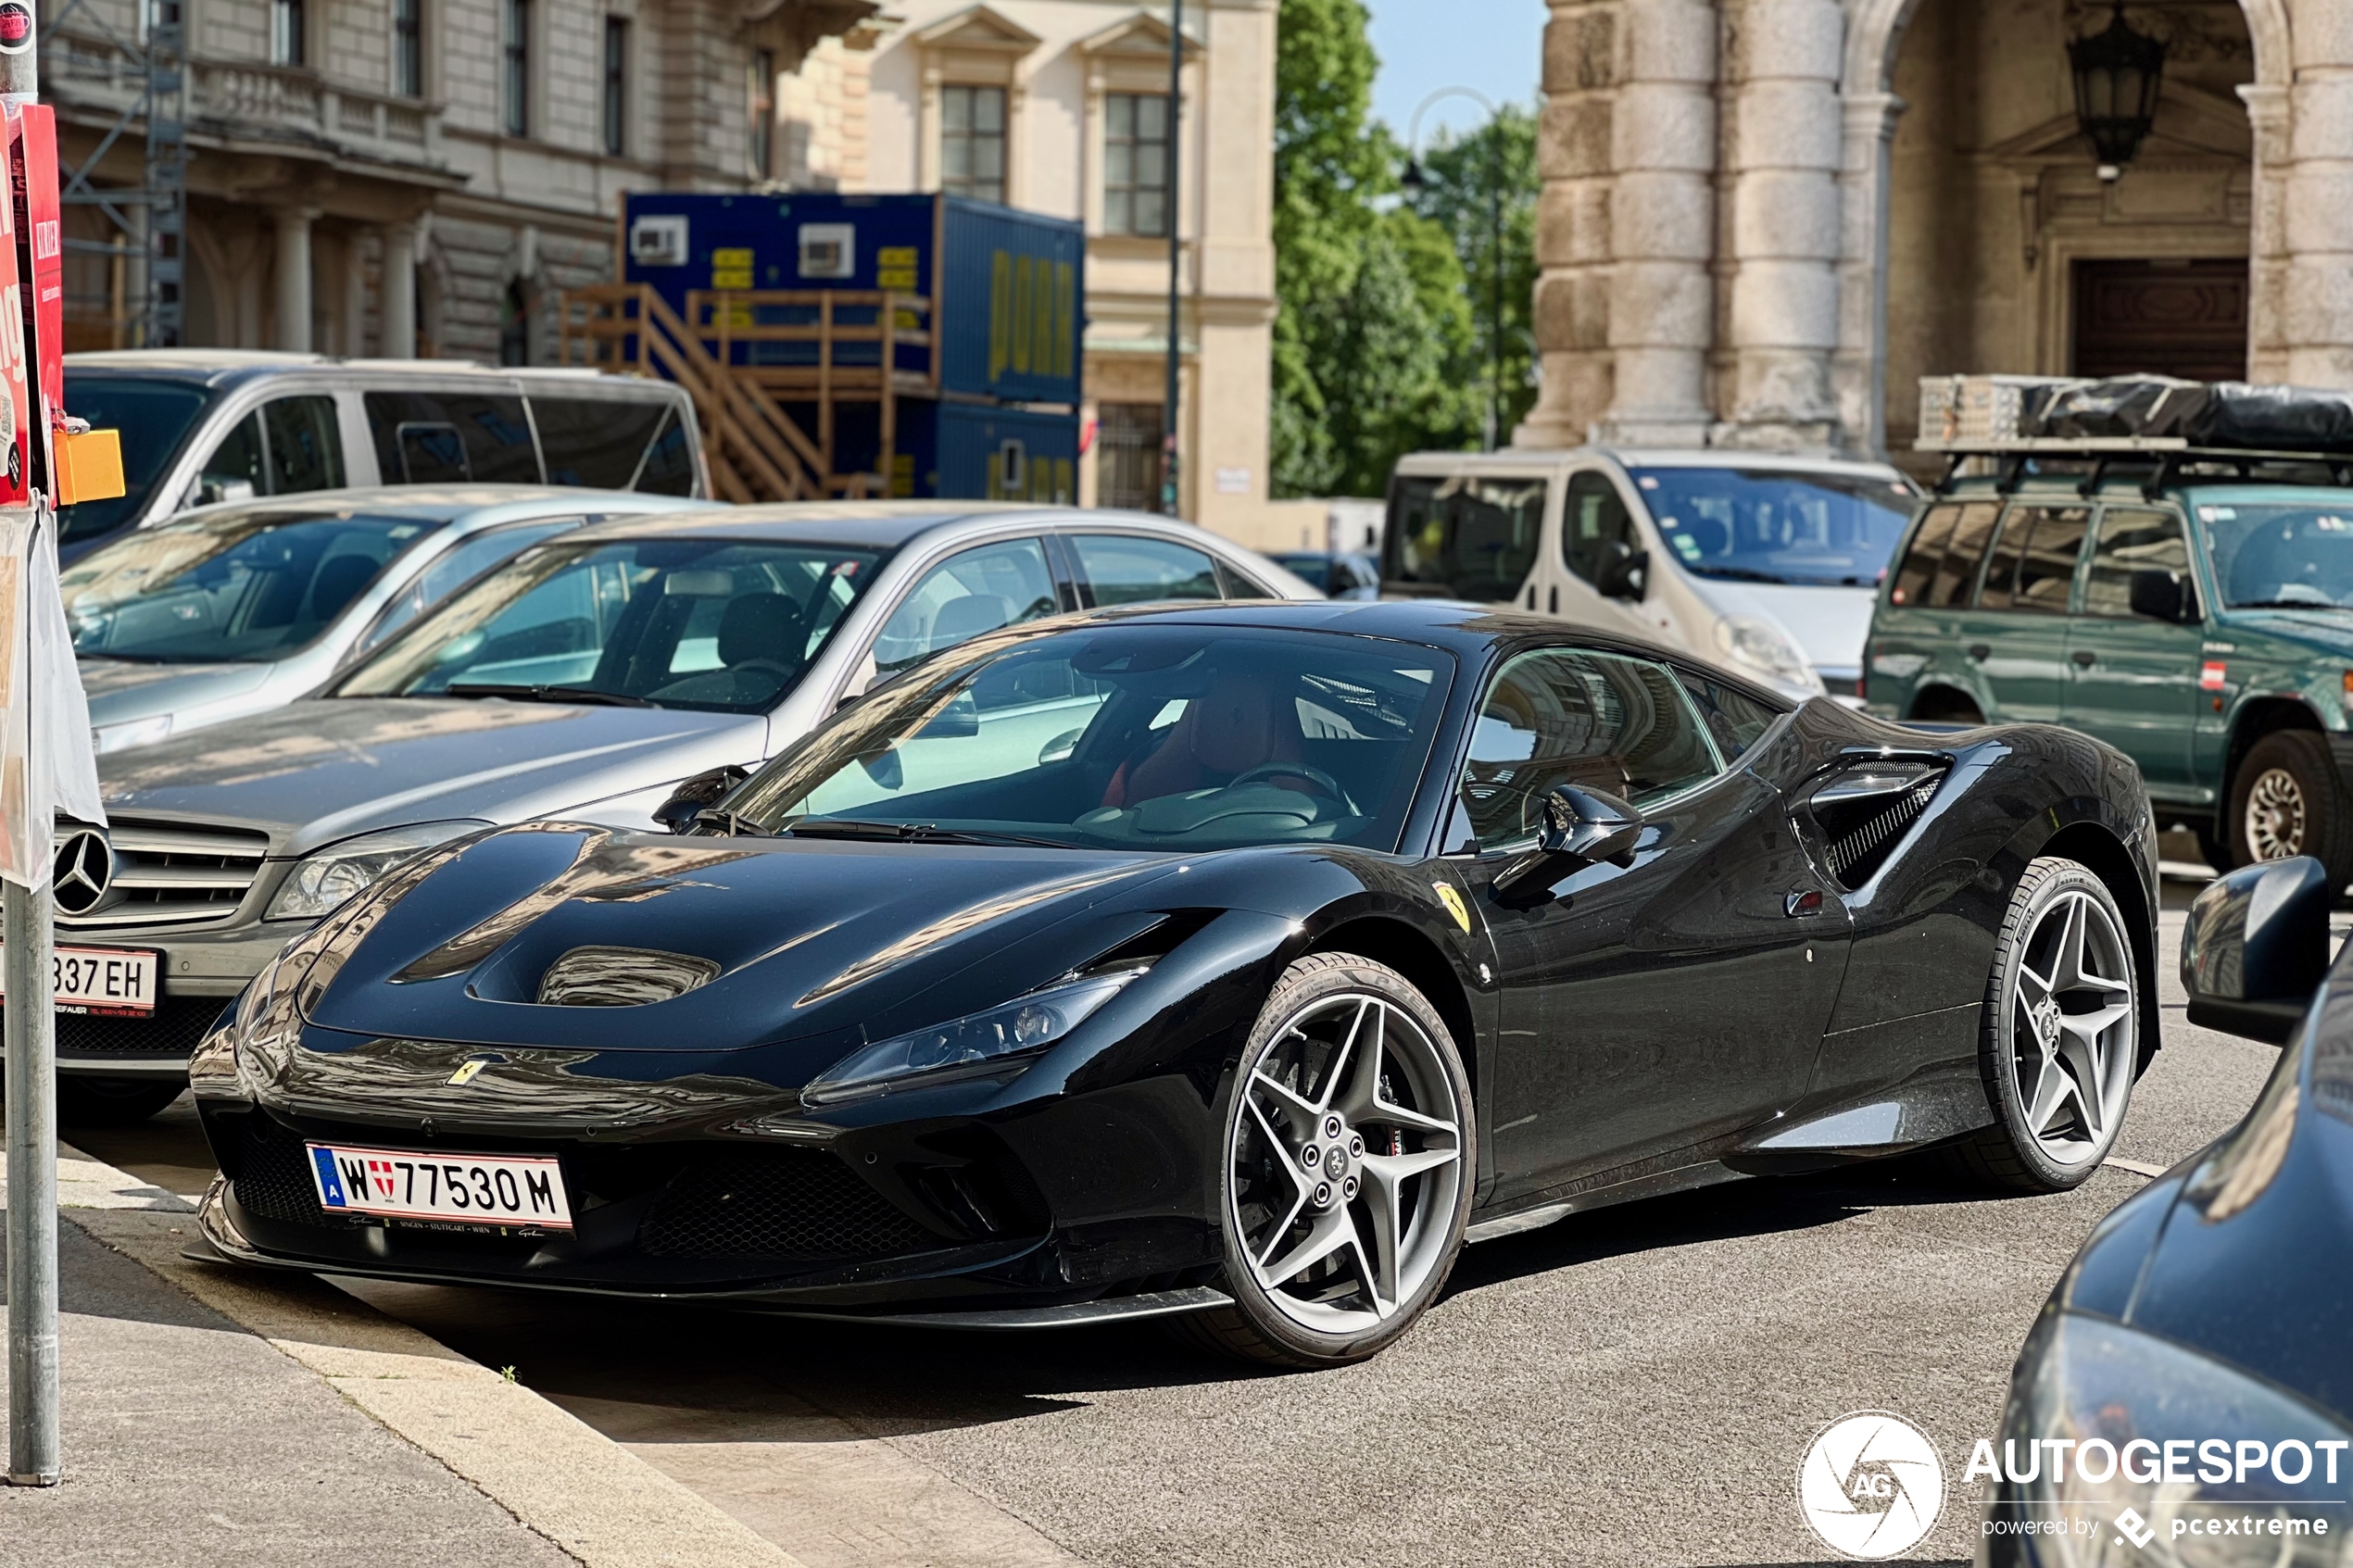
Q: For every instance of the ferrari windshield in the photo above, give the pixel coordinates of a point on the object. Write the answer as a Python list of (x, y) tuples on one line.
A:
[(2298, 556), (249, 584), (700, 623), (1135, 737)]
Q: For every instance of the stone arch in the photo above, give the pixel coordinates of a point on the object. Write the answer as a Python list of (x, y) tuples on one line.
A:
[(1876, 33)]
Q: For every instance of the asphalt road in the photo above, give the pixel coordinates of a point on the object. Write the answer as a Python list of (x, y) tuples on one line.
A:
[(1634, 1387)]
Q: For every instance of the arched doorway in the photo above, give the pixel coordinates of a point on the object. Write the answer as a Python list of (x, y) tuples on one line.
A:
[(1994, 246)]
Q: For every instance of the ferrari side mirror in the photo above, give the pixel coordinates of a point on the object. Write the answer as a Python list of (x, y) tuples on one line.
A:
[(1583, 827), (678, 812), (2257, 948)]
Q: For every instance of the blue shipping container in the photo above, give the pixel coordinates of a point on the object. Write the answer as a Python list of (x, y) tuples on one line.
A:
[(964, 451), (1010, 287)]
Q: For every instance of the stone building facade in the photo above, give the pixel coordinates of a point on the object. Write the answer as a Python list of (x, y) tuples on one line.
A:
[(411, 177), (1763, 220), (1060, 106)]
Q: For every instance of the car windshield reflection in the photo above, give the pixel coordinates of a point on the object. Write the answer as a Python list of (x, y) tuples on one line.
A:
[(693, 623), (1815, 530), (1127, 738), (2296, 556)]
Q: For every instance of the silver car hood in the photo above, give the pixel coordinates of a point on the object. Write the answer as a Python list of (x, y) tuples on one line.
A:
[(316, 771), (120, 689)]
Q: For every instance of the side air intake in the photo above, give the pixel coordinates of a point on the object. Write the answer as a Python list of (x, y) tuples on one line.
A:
[(1865, 807)]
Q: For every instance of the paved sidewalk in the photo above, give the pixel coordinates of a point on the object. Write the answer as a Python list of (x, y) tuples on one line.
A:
[(189, 1441)]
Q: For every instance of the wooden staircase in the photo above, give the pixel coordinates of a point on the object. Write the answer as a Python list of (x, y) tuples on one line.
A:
[(757, 449)]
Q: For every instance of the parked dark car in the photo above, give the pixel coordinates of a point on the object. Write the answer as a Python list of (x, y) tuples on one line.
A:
[(1341, 576), (1239, 961), (2206, 1314)]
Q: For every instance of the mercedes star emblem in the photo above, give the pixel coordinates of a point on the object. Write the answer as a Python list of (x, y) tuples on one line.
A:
[(83, 870)]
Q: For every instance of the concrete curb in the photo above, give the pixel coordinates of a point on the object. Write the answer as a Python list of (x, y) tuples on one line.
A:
[(589, 1496)]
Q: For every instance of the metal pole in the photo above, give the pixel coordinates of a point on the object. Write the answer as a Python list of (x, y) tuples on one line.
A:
[(29, 1036), (1168, 486)]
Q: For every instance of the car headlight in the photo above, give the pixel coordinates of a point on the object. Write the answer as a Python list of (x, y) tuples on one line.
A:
[(131, 732), (2125, 1435), (327, 877), (976, 1043), (1756, 644)]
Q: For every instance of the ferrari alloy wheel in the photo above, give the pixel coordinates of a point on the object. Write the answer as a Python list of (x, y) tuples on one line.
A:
[(1347, 1169), (2060, 1035), (2287, 800)]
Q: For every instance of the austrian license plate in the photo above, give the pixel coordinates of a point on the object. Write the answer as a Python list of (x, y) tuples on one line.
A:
[(480, 1190), (115, 982)]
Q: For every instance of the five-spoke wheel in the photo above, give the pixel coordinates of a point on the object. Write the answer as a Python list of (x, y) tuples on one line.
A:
[(1347, 1167), (2061, 1033)]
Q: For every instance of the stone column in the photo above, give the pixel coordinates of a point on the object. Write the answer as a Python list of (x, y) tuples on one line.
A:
[(399, 292), (2268, 262), (1571, 307), (2319, 224), (293, 280), (351, 333), (1786, 157), (1858, 370), (1662, 297)]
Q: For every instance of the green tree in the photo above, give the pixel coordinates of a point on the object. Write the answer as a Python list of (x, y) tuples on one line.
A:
[(1461, 178)]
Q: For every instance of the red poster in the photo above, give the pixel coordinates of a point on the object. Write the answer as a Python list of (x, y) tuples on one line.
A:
[(15, 430), (36, 176)]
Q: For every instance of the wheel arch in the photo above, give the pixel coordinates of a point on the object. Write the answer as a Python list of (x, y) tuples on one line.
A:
[(2093, 845), (1409, 953), (1942, 702), (2256, 717)]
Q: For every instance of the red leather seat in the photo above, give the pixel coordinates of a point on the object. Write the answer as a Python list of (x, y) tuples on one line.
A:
[(1237, 726)]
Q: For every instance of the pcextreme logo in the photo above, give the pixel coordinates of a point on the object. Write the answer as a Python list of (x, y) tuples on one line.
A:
[(1872, 1485)]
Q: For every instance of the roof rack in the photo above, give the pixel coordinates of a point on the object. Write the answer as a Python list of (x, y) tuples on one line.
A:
[(2164, 455)]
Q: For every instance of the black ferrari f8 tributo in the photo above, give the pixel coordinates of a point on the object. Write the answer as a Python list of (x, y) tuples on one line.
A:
[(1236, 964)]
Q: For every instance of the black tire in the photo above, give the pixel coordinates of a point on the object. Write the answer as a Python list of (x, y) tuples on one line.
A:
[(1254, 1328), (87, 1100), (2215, 846), (2009, 1155), (2292, 774)]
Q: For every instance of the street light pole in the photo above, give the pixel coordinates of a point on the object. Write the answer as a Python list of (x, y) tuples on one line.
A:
[(1495, 218), (26, 917), (1168, 477)]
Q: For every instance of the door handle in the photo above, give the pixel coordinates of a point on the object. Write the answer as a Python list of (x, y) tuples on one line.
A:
[(2084, 657), (1979, 652)]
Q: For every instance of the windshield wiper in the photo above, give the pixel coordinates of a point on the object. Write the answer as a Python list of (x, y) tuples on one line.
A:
[(909, 833), (2285, 604), (1737, 574), (547, 694)]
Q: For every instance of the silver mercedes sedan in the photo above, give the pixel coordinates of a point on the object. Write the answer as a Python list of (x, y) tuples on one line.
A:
[(232, 610), (587, 678)]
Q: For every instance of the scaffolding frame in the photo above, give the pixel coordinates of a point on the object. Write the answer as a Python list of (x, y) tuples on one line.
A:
[(151, 222)]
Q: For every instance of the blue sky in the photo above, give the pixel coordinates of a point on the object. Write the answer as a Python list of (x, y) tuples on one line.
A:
[(1495, 46)]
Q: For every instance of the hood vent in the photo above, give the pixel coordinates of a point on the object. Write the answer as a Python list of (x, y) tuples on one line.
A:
[(1865, 807), (620, 977)]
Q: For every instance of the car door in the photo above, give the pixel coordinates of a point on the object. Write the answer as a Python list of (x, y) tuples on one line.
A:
[(2134, 679), (1597, 529), (2017, 633), (1649, 1009)]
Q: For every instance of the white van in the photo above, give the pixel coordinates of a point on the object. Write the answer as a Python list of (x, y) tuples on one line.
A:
[(1767, 564), (206, 425)]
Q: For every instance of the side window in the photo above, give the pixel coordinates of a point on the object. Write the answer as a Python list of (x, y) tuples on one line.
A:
[(234, 471), (1736, 719), (1593, 517), (1239, 586), (2001, 567), (1564, 716), (1464, 538), (305, 447), (599, 442), (2133, 541), (964, 596), (434, 437), (1125, 570), (1957, 574), (1919, 566), (2047, 572), (670, 460), (458, 566)]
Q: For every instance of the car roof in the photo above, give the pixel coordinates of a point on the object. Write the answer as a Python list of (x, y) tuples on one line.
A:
[(444, 503), (229, 367), (1513, 458), (887, 525)]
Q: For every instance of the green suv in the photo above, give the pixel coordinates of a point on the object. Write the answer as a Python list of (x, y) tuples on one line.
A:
[(2196, 615)]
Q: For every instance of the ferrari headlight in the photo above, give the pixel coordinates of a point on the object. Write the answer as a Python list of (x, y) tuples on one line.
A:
[(975, 1042), (2122, 1434), (129, 732), (1759, 644), (327, 877)]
